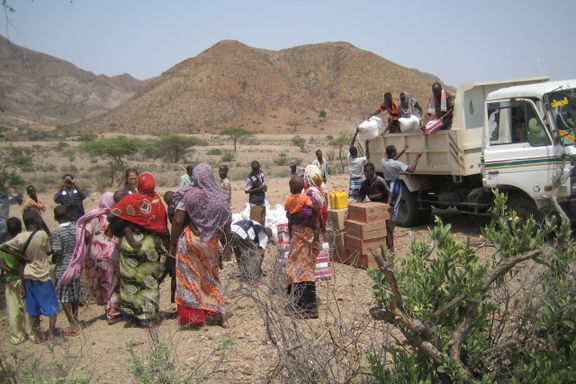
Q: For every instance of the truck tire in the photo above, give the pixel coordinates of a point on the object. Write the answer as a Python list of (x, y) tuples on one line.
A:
[(523, 206), (408, 215), (424, 214)]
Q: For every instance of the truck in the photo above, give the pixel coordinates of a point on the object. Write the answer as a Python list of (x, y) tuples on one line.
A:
[(515, 135)]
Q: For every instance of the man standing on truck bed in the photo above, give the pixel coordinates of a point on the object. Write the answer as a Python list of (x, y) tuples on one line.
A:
[(440, 106), (393, 110), (391, 168)]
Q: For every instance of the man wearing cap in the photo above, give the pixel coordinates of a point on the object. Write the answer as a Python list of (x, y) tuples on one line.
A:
[(295, 170)]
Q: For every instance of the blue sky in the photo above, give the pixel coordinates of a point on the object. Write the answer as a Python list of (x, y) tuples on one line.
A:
[(459, 41)]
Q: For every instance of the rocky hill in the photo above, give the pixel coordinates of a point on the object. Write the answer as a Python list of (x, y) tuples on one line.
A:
[(319, 87), (327, 87), (38, 90)]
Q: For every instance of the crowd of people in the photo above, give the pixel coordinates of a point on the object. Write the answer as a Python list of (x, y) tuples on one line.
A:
[(127, 246), (135, 239)]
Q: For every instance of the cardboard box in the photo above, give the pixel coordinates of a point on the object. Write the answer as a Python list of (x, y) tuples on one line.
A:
[(366, 231), (364, 247), (336, 218), (368, 212), (359, 260)]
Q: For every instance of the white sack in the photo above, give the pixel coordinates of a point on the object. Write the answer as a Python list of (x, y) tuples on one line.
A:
[(368, 130), (409, 124)]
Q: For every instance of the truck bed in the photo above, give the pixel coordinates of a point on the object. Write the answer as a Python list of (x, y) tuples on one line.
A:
[(444, 153), (456, 151)]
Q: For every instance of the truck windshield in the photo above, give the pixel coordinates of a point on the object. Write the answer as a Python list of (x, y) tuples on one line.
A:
[(562, 105)]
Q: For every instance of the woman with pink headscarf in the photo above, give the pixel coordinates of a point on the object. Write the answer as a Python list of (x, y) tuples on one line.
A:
[(96, 252)]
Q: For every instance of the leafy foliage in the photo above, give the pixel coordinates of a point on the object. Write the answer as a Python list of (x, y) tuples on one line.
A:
[(235, 133), (342, 141), (460, 320), (175, 146), (115, 149), (13, 159)]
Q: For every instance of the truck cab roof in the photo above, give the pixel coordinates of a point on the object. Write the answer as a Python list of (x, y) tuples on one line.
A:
[(533, 90)]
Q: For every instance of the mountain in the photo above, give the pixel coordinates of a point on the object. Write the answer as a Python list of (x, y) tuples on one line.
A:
[(232, 84), (39, 90)]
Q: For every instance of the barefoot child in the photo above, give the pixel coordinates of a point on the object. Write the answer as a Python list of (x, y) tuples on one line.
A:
[(11, 266), (63, 242), (299, 207), (33, 246)]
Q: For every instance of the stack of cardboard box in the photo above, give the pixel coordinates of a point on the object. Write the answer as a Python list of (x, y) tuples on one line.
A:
[(365, 231)]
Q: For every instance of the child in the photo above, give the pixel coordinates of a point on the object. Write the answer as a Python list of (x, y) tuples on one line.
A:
[(299, 207), (40, 294), (63, 242), (225, 182), (125, 229), (11, 266)]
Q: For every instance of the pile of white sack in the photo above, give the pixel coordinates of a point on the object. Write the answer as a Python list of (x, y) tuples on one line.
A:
[(274, 216)]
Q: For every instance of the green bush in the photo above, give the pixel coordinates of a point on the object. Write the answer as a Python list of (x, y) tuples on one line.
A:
[(282, 159), (471, 317), (215, 151), (227, 156)]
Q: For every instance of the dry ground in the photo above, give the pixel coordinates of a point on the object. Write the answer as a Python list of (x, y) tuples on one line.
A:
[(241, 353)]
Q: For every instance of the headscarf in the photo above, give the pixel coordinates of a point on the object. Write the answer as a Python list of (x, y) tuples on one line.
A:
[(78, 259), (207, 206), (145, 207), (313, 185), (407, 106), (443, 103)]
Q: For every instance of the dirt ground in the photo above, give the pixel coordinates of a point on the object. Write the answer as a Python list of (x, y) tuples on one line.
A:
[(240, 353)]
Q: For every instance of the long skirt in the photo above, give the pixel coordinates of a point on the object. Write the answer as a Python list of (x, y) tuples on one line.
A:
[(197, 282), (301, 264), (140, 271), (102, 274)]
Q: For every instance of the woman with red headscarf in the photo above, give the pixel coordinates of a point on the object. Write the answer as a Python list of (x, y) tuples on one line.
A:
[(142, 216)]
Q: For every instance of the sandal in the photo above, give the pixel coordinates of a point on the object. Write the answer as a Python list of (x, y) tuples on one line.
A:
[(114, 320), (71, 333)]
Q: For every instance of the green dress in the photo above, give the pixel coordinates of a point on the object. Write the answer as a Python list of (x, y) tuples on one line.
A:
[(140, 271)]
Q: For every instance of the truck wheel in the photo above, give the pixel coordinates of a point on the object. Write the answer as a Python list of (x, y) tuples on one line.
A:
[(523, 206), (408, 215), (424, 214)]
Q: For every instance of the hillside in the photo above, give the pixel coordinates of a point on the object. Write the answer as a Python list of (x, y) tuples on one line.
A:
[(231, 84), (39, 90)]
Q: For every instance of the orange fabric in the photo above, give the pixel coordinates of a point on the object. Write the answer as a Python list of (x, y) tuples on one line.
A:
[(393, 111), (302, 255), (295, 202), (197, 274)]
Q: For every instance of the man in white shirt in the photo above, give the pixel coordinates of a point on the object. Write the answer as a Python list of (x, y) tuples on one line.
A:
[(356, 169), (322, 165), (391, 168), (249, 240), (186, 179)]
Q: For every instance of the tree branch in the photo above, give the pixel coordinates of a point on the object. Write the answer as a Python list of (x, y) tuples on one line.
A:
[(499, 270)]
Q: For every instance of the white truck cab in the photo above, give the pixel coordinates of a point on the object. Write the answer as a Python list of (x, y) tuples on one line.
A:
[(515, 135)]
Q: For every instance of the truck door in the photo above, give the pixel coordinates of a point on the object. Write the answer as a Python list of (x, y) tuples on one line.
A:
[(518, 149)]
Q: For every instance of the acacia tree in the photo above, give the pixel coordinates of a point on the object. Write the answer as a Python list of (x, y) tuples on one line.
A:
[(115, 149), (340, 142), (470, 318), (175, 147), (235, 133)]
